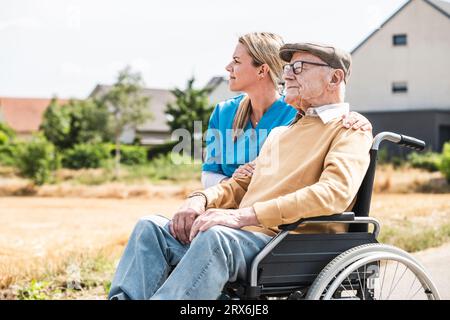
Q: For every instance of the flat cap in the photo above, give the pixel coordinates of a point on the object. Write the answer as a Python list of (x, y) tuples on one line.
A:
[(334, 57)]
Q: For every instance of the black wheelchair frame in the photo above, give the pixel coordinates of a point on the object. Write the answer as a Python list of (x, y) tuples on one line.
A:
[(290, 263)]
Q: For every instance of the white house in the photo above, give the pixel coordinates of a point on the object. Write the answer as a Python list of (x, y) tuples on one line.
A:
[(220, 90), (155, 131), (400, 75)]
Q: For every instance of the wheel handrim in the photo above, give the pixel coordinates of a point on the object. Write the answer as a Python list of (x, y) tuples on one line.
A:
[(344, 283)]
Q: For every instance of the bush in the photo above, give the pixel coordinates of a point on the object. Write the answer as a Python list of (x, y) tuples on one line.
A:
[(398, 161), (37, 159), (4, 139), (429, 161), (161, 150), (130, 155), (173, 167), (382, 156), (8, 154), (8, 149), (445, 161), (7, 131), (86, 156)]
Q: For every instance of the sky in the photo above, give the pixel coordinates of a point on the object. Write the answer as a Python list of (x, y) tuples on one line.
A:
[(67, 47)]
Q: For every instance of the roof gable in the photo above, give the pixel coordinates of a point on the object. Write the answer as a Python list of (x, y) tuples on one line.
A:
[(441, 6)]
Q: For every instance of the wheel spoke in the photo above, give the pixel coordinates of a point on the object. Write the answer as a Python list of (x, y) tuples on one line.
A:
[(421, 287), (412, 285), (395, 286), (350, 283), (382, 283), (365, 280), (393, 278), (360, 285)]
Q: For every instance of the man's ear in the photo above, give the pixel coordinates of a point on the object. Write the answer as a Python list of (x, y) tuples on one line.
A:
[(336, 78)]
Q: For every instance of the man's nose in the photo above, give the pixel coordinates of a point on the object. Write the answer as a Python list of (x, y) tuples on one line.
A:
[(228, 67), (288, 76)]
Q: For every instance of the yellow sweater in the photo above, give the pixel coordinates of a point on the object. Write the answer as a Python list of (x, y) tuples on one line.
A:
[(305, 170)]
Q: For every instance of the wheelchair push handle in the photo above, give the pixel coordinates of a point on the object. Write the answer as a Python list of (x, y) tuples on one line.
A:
[(412, 143), (399, 139)]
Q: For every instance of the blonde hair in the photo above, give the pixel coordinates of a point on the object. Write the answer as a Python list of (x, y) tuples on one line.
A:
[(263, 47)]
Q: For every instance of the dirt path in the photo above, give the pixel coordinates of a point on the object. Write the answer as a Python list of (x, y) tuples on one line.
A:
[(437, 262)]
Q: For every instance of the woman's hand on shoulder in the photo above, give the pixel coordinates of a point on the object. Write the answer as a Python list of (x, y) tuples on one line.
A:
[(245, 170)]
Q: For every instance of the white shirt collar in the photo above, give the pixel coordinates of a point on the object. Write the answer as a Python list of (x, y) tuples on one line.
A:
[(329, 112)]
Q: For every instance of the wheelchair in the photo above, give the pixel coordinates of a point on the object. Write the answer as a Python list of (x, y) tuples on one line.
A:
[(349, 266)]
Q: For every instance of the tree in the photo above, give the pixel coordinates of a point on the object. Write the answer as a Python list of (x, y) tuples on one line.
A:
[(89, 122), (127, 106), (78, 121), (8, 145), (190, 105), (56, 124), (7, 132), (37, 159)]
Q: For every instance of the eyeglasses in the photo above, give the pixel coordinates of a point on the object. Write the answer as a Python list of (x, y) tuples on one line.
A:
[(297, 66)]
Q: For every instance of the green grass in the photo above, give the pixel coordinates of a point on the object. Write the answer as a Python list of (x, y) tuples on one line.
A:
[(159, 169), (163, 169)]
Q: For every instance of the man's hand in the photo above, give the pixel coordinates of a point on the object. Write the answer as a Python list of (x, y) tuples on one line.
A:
[(356, 121), (181, 223), (233, 218)]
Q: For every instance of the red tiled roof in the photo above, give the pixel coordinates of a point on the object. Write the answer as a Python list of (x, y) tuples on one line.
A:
[(24, 115)]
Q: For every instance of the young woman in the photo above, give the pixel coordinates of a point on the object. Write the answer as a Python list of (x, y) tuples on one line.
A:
[(239, 126)]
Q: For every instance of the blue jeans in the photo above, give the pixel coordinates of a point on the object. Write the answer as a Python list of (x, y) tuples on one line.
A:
[(155, 265)]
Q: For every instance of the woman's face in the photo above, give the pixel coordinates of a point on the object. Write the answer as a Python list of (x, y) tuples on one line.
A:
[(243, 74)]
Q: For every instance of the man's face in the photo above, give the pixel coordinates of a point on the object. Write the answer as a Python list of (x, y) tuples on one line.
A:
[(303, 89)]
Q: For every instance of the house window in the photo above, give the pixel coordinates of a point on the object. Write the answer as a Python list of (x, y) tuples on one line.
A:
[(400, 40), (399, 87)]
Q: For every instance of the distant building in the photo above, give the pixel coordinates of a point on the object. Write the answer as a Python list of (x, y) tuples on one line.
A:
[(155, 131), (400, 76), (220, 90), (24, 115)]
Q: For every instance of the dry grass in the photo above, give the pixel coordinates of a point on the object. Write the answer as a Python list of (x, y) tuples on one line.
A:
[(43, 236), (387, 180), (117, 190), (413, 221), (408, 180), (66, 227)]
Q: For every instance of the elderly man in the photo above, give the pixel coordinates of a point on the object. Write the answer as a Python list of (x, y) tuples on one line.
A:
[(214, 236)]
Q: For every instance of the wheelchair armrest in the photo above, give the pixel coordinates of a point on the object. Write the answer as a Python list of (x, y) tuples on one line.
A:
[(340, 217)]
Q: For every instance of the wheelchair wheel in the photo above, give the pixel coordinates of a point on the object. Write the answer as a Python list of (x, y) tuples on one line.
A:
[(373, 272)]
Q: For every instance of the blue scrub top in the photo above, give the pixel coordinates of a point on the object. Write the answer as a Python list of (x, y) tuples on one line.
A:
[(223, 155)]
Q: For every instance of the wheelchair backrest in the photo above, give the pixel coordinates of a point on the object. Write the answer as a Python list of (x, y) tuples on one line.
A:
[(364, 195)]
